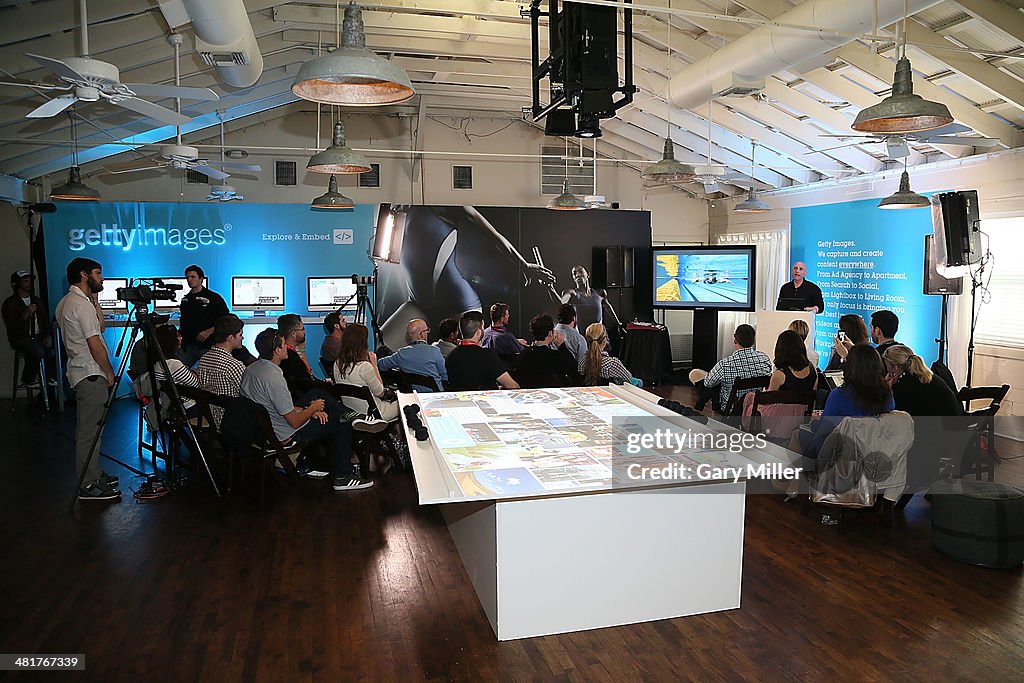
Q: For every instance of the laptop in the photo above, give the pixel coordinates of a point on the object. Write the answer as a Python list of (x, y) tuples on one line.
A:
[(790, 304), (834, 380)]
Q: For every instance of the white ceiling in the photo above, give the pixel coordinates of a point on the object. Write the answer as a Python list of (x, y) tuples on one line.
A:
[(471, 57)]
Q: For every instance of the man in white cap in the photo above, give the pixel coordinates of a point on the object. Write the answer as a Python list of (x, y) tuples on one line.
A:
[(28, 326)]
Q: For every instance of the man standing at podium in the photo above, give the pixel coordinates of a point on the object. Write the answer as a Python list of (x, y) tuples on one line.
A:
[(800, 294)]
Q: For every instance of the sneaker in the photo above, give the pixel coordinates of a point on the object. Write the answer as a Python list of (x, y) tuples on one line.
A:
[(351, 484), (372, 425), (109, 480), (51, 382), (95, 490), (34, 384), (311, 472)]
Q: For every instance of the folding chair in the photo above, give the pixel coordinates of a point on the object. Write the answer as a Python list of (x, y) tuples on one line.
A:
[(979, 460), (734, 406)]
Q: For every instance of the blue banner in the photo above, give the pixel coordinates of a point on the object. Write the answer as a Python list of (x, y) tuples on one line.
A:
[(865, 260), (135, 240)]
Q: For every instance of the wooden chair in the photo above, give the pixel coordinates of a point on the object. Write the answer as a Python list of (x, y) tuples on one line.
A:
[(261, 441), (978, 460), (735, 407), (781, 426)]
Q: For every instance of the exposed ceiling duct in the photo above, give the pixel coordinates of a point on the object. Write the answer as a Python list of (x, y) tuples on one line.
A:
[(224, 37), (769, 49)]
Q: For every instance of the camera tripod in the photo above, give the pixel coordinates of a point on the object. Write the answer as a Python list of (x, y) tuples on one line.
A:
[(364, 305), (176, 421)]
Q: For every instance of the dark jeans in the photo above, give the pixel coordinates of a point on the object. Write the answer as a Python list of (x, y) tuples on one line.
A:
[(336, 435), (705, 394), (33, 351)]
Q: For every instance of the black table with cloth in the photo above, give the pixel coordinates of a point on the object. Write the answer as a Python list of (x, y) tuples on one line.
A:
[(647, 353)]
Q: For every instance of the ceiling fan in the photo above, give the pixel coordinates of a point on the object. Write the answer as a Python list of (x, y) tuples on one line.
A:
[(88, 80), (897, 146), (710, 175), (226, 193)]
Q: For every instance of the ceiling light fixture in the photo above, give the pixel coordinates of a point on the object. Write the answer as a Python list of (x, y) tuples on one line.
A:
[(589, 126), (74, 189), (668, 170), (332, 199), (752, 204), (351, 74), (904, 198), (566, 201), (338, 158), (902, 111)]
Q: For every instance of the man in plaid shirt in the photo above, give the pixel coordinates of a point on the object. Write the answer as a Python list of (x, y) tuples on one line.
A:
[(746, 362), (218, 371)]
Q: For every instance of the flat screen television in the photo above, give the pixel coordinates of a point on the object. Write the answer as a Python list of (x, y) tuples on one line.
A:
[(705, 277), (257, 293), (172, 305), (330, 293), (108, 297)]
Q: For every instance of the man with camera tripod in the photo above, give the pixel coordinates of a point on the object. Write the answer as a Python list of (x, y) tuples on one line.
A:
[(89, 372)]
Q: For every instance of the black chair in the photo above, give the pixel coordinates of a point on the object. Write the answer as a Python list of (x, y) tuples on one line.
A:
[(982, 459), (734, 406), (367, 440), (780, 428), (247, 430), (539, 381), (404, 381), (326, 366)]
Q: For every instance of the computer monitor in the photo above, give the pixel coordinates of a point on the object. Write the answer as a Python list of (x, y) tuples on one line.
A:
[(172, 305), (257, 293), (330, 293), (108, 297), (704, 277)]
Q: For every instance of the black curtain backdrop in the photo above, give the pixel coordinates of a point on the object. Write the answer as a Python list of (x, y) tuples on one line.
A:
[(485, 271)]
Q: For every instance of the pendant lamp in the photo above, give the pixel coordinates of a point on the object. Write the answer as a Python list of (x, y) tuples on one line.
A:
[(74, 189), (751, 204), (338, 158), (332, 199), (566, 201), (904, 198), (351, 74)]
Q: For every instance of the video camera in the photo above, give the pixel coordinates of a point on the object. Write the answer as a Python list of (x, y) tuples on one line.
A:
[(363, 280), (144, 294)]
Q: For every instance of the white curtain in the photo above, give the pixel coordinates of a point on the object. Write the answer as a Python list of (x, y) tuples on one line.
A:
[(772, 273)]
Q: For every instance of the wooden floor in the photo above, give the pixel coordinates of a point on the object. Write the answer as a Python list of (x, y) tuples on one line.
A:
[(368, 586)]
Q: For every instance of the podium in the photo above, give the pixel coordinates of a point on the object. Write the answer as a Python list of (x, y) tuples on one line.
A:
[(770, 323)]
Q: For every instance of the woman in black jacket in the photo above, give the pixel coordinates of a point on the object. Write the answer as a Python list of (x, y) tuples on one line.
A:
[(915, 388)]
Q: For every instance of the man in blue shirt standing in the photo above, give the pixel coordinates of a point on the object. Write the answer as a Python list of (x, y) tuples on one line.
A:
[(417, 357)]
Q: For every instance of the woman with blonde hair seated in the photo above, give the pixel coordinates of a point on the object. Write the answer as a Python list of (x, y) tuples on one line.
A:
[(597, 364), (915, 388), (357, 365), (802, 329)]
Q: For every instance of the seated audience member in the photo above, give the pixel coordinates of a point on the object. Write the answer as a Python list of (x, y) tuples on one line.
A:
[(448, 339), (496, 337), (548, 359), (854, 332), (357, 365), (915, 388), (793, 370), (169, 340), (295, 367), (417, 356), (744, 363), (264, 383), (218, 370), (598, 365), (864, 393), (801, 328), (334, 325), (574, 341), (884, 325), (28, 328), (472, 367)]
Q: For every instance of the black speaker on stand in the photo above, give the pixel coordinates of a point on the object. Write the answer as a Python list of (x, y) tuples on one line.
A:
[(612, 267)]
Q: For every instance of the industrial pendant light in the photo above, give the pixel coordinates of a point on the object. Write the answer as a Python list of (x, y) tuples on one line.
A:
[(332, 199), (74, 189), (566, 201), (668, 170), (353, 75), (902, 111), (338, 158), (751, 204), (904, 198)]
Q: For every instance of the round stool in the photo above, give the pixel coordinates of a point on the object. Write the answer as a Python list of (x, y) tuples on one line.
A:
[(978, 522)]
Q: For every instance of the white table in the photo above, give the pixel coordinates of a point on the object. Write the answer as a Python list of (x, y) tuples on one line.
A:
[(562, 561)]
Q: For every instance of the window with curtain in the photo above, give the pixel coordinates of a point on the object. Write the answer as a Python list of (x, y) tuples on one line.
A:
[(1001, 308)]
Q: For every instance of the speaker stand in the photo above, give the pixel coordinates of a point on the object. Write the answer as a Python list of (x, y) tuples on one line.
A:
[(705, 338), (942, 329)]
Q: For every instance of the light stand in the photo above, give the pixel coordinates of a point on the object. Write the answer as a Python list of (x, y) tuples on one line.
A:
[(975, 284)]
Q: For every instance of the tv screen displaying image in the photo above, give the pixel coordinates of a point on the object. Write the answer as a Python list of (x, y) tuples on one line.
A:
[(713, 277), (257, 293), (330, 293), (108, 297)]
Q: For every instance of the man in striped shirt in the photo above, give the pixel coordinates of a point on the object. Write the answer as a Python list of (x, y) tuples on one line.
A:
[(218, 371), (745, 363)]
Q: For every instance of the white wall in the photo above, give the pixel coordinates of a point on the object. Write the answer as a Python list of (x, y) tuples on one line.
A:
[(999, 179)]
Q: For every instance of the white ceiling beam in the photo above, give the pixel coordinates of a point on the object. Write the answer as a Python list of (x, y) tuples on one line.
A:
[(467, 28), (1000, 15)]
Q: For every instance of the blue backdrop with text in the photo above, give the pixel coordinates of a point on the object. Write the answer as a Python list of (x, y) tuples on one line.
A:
[(866, 259)]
